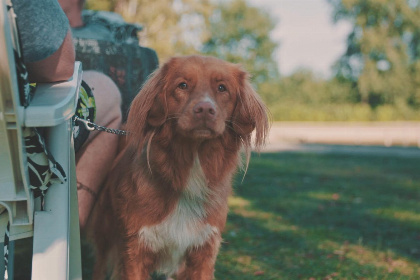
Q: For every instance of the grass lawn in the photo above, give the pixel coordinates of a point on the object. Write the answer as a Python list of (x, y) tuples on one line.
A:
[(324, 216), (321, 216)]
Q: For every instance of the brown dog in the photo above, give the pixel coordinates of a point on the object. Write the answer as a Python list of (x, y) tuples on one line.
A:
[(164, 205)]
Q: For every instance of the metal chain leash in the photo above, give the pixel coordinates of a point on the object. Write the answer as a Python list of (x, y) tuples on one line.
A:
[(93, 126)]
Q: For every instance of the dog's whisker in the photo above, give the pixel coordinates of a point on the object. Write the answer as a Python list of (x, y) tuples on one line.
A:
[(234, 123), (171, 118), (149, 142), (245, 143), (234, 126), (229, 124)]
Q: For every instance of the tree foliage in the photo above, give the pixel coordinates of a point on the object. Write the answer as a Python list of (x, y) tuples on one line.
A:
[(232, 30), (166, 22), (304, 96), (383, 49), (241, 33), (377, 78)]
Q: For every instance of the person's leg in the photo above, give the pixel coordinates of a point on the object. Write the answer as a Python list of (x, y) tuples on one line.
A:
[(96, 156)]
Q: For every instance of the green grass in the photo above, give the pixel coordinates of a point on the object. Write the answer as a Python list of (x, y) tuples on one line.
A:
[(324, 216), (321, 216)]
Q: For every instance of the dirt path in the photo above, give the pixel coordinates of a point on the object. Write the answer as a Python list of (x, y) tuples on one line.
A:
[(395, 138)]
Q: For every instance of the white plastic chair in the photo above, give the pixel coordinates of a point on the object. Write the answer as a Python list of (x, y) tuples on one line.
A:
[(55, 231)]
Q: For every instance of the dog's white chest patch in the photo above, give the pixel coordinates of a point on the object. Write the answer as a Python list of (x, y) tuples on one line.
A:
[(184, 227)]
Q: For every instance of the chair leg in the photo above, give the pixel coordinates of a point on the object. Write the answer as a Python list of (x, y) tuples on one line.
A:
[(56, 249), (75, 263)]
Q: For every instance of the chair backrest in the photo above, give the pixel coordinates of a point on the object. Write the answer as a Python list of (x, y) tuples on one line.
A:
[(14, 191), (52, 105)]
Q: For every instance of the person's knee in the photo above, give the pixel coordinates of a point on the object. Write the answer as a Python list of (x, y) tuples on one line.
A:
[(107, 97)]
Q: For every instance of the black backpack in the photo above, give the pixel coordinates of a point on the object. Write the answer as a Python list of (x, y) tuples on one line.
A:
[(120, 56)]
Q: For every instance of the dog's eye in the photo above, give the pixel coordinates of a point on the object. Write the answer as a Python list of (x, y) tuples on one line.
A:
[(183, 86), (221, 88)]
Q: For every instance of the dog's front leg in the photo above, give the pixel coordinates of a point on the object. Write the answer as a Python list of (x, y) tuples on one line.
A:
[(200, 261), (137, 263)]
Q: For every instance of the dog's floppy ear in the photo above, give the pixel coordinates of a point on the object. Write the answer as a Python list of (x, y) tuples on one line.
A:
[(159, 111), (149, 107), (250, 113)]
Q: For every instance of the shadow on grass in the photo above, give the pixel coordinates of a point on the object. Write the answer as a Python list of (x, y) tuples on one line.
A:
[(275, 255), (300, 215)]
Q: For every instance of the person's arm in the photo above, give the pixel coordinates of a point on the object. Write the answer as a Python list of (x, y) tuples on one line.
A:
[(57, 67), (46, 40)]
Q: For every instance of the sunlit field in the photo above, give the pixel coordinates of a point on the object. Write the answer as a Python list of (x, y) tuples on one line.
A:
[(313, 216)]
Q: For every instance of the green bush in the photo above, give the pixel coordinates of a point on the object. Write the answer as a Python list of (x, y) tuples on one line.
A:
[(295, 111), (305, 97)]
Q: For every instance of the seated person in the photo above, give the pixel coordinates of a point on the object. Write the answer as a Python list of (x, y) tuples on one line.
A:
[(99, 25), (48, 53), (106, 43)]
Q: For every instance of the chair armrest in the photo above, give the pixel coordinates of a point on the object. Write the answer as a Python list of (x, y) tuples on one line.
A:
[(54, 103)]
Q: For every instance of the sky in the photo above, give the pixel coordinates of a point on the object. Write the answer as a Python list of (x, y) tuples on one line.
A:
[(307, 36)]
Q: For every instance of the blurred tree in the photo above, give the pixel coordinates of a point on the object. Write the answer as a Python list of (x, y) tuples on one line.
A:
[(241, 33), (231, 30), (169, 25), (383, 50), (305, 87)]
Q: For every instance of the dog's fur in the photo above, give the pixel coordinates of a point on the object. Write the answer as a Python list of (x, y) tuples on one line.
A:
[(164, 205)]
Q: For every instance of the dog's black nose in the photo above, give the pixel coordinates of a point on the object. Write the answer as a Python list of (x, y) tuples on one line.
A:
[(204, 109)]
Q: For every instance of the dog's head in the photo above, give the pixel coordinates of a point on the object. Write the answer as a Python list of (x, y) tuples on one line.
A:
[(201, 97)]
